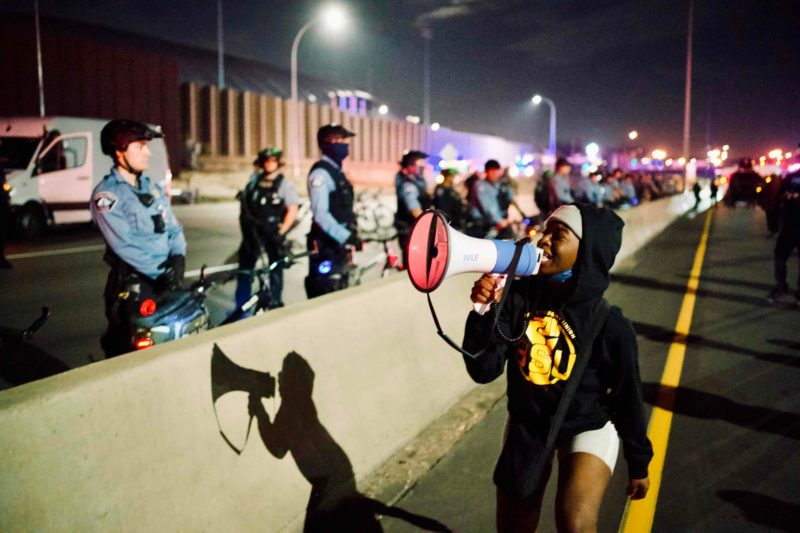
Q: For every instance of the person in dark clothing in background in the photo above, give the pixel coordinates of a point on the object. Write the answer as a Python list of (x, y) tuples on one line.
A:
[(447, 199), (412, 196), (544, 195), (5, 218), (268, 209), (789, 237), (769, 200), (714, 189), (554, 311)]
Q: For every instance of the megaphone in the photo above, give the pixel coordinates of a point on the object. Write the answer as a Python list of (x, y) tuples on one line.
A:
[(227, 376), (436, 251)]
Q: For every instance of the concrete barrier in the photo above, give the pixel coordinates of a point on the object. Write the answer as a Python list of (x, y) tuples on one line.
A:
[(134, 444)]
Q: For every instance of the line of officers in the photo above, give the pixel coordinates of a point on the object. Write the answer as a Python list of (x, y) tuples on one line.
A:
[(146, 247)]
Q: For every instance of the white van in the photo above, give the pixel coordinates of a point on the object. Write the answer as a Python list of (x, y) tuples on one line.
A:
[(52, 165)]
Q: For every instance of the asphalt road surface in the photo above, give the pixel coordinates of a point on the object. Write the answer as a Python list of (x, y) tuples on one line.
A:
[(732, 456), (65, 271)]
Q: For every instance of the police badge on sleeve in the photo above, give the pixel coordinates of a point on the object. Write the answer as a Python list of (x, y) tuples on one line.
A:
[(104, 201)]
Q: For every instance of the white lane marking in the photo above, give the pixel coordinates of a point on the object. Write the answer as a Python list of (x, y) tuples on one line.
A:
[(60, 251)]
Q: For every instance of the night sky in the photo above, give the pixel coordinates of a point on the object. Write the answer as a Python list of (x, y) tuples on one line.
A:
[(610, 66)]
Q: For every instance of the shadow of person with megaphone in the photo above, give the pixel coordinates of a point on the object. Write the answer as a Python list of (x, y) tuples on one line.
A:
[(335, 503)]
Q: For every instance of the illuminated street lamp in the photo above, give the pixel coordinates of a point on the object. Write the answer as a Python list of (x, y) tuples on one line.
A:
[(659, 155), (334, 17), (538, 99), (633, 135), (383, 109), (435, 126)]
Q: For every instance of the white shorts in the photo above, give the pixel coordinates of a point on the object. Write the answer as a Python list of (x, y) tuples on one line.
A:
[(603, 443)]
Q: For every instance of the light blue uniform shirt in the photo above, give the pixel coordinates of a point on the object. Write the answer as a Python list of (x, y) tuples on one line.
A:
[(562, 186), (628, 190), (320, 186), (487, 194), (128, 226), (589, 191), (410, 193)]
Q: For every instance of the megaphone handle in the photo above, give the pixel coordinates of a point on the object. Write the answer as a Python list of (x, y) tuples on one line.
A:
[(482, 308)]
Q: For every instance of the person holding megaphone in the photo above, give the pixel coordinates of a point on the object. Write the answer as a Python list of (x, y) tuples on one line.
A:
[(573, 382)]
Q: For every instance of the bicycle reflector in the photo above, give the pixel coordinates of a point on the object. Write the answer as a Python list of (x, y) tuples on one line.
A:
[(148, 307), (146, 342), (325, 267)]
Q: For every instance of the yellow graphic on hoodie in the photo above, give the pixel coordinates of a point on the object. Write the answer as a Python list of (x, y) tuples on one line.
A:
[(551, 354)]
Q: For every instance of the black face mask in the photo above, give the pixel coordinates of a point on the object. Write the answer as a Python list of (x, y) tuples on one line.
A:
[(336, 151)]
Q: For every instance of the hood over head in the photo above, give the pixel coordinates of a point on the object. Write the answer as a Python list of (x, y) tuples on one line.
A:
[(600, 243)]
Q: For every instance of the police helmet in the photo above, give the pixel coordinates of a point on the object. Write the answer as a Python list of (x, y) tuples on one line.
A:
[(327, 133), (411, 156), (118, 134), (268, 153)]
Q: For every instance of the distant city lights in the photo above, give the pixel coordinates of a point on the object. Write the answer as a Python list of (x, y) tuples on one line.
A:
[(659, 154)]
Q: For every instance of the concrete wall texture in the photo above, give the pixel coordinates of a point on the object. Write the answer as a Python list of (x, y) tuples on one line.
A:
[(133, 443)]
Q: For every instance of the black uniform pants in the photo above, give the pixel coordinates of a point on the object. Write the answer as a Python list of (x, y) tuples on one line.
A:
[(328, 267), (123, 295), (249, 252), (788, 240)]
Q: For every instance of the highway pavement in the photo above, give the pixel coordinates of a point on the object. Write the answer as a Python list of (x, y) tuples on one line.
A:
[(732, 451)]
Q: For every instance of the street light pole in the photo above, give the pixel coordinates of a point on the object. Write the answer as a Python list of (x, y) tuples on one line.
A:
[(537, 99), (294, 126), (220, 50), (39, 59), (687, 100), (427, 35)]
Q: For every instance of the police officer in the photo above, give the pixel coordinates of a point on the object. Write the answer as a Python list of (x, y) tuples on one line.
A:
[(333, 228), (789, 236), (412, 195), (447, 199), (145, 246), (268, 210), (487, 202), (5, 218)]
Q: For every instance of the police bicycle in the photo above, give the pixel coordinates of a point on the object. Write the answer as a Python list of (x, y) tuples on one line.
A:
[(177, 314), (387, 260)]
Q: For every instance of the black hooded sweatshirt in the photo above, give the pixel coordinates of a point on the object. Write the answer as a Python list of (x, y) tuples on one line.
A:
[(554, 322)]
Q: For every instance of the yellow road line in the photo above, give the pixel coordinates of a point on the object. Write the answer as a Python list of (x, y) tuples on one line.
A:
[(638, 516)]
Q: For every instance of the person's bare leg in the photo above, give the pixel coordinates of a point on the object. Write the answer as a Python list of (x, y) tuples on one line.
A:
[(518, 515), (582, 482)]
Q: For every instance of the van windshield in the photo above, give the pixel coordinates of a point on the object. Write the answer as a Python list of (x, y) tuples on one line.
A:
[(16, 152)]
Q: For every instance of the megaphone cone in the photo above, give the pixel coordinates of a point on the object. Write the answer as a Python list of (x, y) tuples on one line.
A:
[(436, 251)]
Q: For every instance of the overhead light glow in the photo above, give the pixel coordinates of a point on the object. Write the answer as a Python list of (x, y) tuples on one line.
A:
[(383, 109), (659, 154), (592, 149), (435, 126), (537, 99), (632, 135), (334, 17)]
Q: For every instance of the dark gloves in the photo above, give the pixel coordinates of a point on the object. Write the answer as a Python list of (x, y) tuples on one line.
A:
[(172, 277), (354, 241)]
